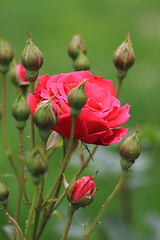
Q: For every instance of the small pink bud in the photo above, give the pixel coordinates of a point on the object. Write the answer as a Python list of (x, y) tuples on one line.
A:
[(18, 76), (82, 192)]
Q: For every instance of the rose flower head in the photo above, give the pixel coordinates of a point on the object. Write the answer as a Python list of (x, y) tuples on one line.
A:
[(82, 192), (100, 117)]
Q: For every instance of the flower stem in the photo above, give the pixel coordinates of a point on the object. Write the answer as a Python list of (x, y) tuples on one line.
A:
[(58, 181), (21, 164), (85, 163), (31, 119), (41, 188), (17, 210), (16, 227), (64, 163), (31, 212), (106, 204), (118, 89), (8, 152), (70, 212)]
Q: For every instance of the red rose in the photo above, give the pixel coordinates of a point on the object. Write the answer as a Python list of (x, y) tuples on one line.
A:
[(100, 116)]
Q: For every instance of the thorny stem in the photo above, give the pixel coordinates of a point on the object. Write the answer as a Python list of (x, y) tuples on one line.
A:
[(64, 163), (21, 164), (51, 151), (16, 227), (85, 163), (70, 213), (8, 152), (106, 204), (58, 182), (38, 208), (31, 213), (17, 210), (31, 120)]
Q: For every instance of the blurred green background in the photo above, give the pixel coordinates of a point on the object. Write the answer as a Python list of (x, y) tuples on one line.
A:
[(104, 24)]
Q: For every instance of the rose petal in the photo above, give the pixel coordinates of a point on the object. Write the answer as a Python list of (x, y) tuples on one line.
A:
[(121, 118)]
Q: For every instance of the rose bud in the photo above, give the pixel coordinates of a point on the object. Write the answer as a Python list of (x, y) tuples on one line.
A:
[(20, 111), (130, 150), (14, 76), (77, 99), (4, 193), (18, 77), (37, 165), (77, 44), (6, 55), (81, 62), (32, 60), (123, 57), (45, 118), (82, 192)]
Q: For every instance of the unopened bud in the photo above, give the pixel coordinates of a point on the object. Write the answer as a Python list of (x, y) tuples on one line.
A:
[(4, 193), (81, 62), (77, 99), (20, 111), (81, 193), (32, 60), (45, 116), (6, 55), (14, 76), (77, 44), (130, 149), (37, 165), (18, 77), (124, 57)]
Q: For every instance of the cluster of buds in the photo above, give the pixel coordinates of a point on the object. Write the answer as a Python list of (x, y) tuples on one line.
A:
[(124, 57), (37, 165), (130, 150), (32, 60), (6, 55), (77, 51), (45, 118), (18, 77), (81, 192), (77, 99), (4, 193), (20, 111)]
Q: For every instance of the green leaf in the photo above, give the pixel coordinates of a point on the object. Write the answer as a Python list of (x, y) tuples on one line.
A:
[(86, 226)]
